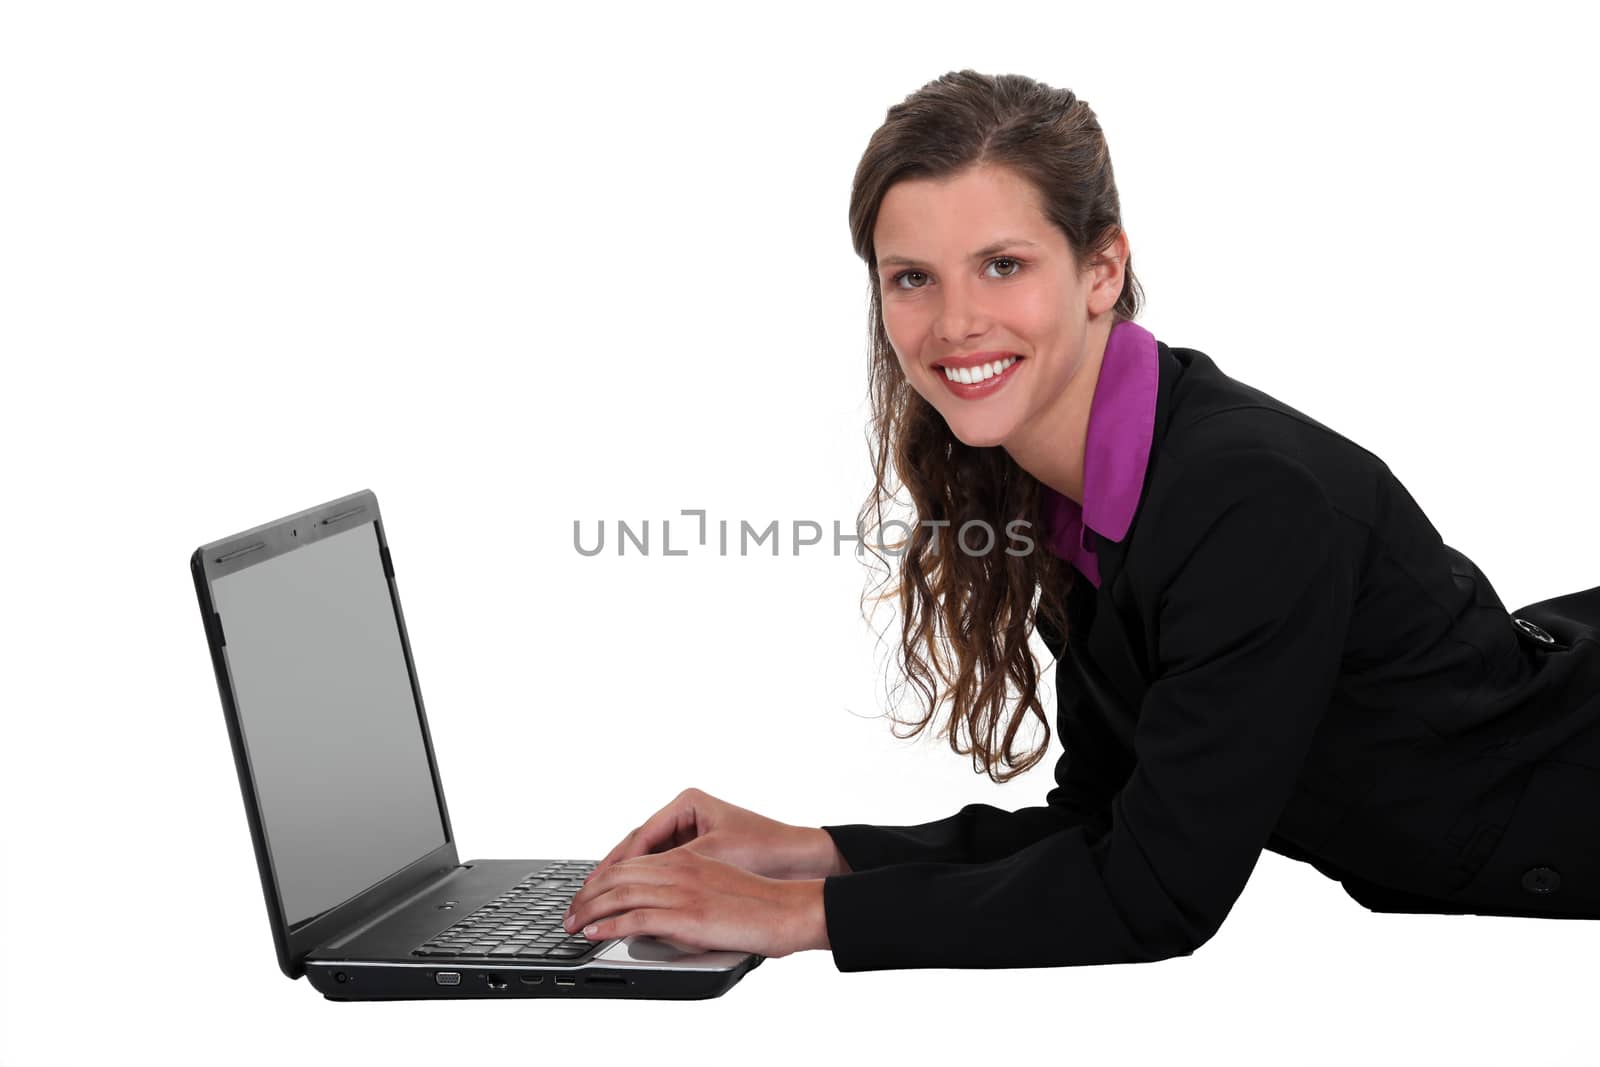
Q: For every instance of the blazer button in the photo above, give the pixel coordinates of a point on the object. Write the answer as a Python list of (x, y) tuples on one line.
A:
[(1541, 880), (1538, 633)]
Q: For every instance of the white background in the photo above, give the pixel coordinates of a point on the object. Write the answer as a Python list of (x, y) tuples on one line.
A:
[(509, 266)]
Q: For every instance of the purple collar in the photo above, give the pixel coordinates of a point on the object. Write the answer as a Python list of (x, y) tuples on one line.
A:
[(1117, 450)]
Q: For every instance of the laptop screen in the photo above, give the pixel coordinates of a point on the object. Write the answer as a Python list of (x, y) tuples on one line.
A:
[(329, 722)]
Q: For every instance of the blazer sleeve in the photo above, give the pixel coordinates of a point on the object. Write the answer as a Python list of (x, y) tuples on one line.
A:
[(1086, 779), (1255, 597)]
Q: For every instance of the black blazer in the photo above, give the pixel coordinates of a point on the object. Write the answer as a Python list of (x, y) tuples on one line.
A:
[(1282, 654)]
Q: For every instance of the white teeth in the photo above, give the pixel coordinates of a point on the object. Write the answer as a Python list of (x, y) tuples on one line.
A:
[(974, 375)]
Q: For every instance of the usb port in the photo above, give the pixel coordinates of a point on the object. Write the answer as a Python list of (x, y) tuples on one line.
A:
[(566, 981), (448, 977)]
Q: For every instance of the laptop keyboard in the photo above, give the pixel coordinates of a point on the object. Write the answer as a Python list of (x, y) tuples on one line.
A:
[(522, 923)]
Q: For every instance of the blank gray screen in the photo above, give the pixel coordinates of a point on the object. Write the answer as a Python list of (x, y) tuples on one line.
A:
[(329, 722)]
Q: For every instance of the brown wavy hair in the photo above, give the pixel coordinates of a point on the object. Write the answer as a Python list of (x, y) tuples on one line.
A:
[(982, 605)]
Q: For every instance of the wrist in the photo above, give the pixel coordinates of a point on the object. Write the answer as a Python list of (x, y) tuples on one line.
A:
[(825, 859), (806, 852), (810, 915)]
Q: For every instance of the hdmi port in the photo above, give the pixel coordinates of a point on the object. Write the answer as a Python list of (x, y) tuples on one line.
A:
[(532, 979)]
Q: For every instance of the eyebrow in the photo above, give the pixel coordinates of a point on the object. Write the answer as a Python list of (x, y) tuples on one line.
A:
[(989, 250)]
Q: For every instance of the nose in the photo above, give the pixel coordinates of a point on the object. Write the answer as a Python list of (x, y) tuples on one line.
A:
[(960, 317)]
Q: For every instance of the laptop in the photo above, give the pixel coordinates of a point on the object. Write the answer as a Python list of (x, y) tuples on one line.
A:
[(342, 791)]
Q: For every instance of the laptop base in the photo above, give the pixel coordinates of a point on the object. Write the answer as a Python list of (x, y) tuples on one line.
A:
[(375, 962), (432, 980)]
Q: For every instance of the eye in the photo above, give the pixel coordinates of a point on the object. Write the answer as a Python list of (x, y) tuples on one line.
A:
[(1007, 259), (1016, 265)]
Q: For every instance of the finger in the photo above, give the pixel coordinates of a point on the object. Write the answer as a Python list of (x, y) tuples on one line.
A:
[(670, 826), (675, 927), (636, 872), (623, 898)]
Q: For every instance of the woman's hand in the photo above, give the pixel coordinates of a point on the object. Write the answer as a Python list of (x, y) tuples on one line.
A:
[(694, 903), (735, 835)]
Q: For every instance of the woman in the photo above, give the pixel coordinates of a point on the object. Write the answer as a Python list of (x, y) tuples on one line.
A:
[(1261, 640)]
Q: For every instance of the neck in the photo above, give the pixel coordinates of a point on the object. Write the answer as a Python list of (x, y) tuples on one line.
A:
[(1051, 446)]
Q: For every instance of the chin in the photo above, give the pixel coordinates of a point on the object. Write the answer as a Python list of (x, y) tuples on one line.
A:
[(979, 436)]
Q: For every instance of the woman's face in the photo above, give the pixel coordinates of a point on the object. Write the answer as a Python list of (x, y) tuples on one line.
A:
[(970, 266)]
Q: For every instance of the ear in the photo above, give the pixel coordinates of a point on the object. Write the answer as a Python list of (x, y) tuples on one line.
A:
[(1107, 270)]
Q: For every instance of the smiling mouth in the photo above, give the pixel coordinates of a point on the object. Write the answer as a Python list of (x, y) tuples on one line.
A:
[(981, 373)]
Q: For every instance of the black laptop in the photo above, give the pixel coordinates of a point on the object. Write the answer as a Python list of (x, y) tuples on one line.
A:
[(358, 861)]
